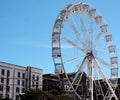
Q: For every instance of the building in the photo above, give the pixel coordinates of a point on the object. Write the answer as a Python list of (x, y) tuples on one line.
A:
[(58, 84), (15, 79), (51, 83)]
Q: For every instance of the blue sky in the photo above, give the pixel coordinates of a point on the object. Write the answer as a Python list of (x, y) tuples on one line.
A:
[(26, 29)]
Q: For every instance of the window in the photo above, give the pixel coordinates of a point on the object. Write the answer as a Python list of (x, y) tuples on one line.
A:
[(1, 87), (23, 83), (33, 84), (7, 80), (8, 73), (2, 79), (33, 77), (37, 84), (17, 89), (18, 82), (8, 88), (3, 72), (19, 74), (17, 97), (23, 75), (1, 95), (37, 78), (23, 90)]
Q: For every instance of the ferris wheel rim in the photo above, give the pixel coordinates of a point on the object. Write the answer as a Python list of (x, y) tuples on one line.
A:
[(108, 37), (70, 6)]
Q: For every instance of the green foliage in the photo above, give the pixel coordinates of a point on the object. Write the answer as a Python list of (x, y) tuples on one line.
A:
[(41, 95)]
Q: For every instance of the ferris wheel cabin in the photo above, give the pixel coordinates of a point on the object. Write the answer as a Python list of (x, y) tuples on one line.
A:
[(92, 13), (58, 24), (98, 20), (56, 52), (77, 8), (64, 15), (112, 49), (56, 37), (85, 8), (104, 28), (108, 38)]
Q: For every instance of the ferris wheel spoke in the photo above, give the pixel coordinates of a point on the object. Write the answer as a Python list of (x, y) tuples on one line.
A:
[(76, 30), (104, 62), (102, 49), (83, 27), (90, 33), (74, 44), (97, 40), (106, 79), (71, 60)]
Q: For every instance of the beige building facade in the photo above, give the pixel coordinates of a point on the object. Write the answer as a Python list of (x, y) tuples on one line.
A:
[(15, 79)]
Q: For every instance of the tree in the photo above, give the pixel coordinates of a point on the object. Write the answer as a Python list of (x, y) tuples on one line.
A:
[(41, 95), (4, 98)]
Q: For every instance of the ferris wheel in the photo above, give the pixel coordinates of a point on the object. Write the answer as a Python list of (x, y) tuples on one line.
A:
[(82, 43)]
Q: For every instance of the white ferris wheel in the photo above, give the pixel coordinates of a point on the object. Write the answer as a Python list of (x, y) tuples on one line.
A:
[(82, 42)]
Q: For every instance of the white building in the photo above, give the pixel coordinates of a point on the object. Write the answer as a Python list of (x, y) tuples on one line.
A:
[(15, 79)]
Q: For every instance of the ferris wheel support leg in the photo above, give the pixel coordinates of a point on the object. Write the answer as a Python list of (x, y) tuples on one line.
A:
[(90, 76), (76, 76), (106, 80), (78, 72)]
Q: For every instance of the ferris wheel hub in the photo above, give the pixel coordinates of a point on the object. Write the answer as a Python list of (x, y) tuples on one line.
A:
[(92, 53)]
